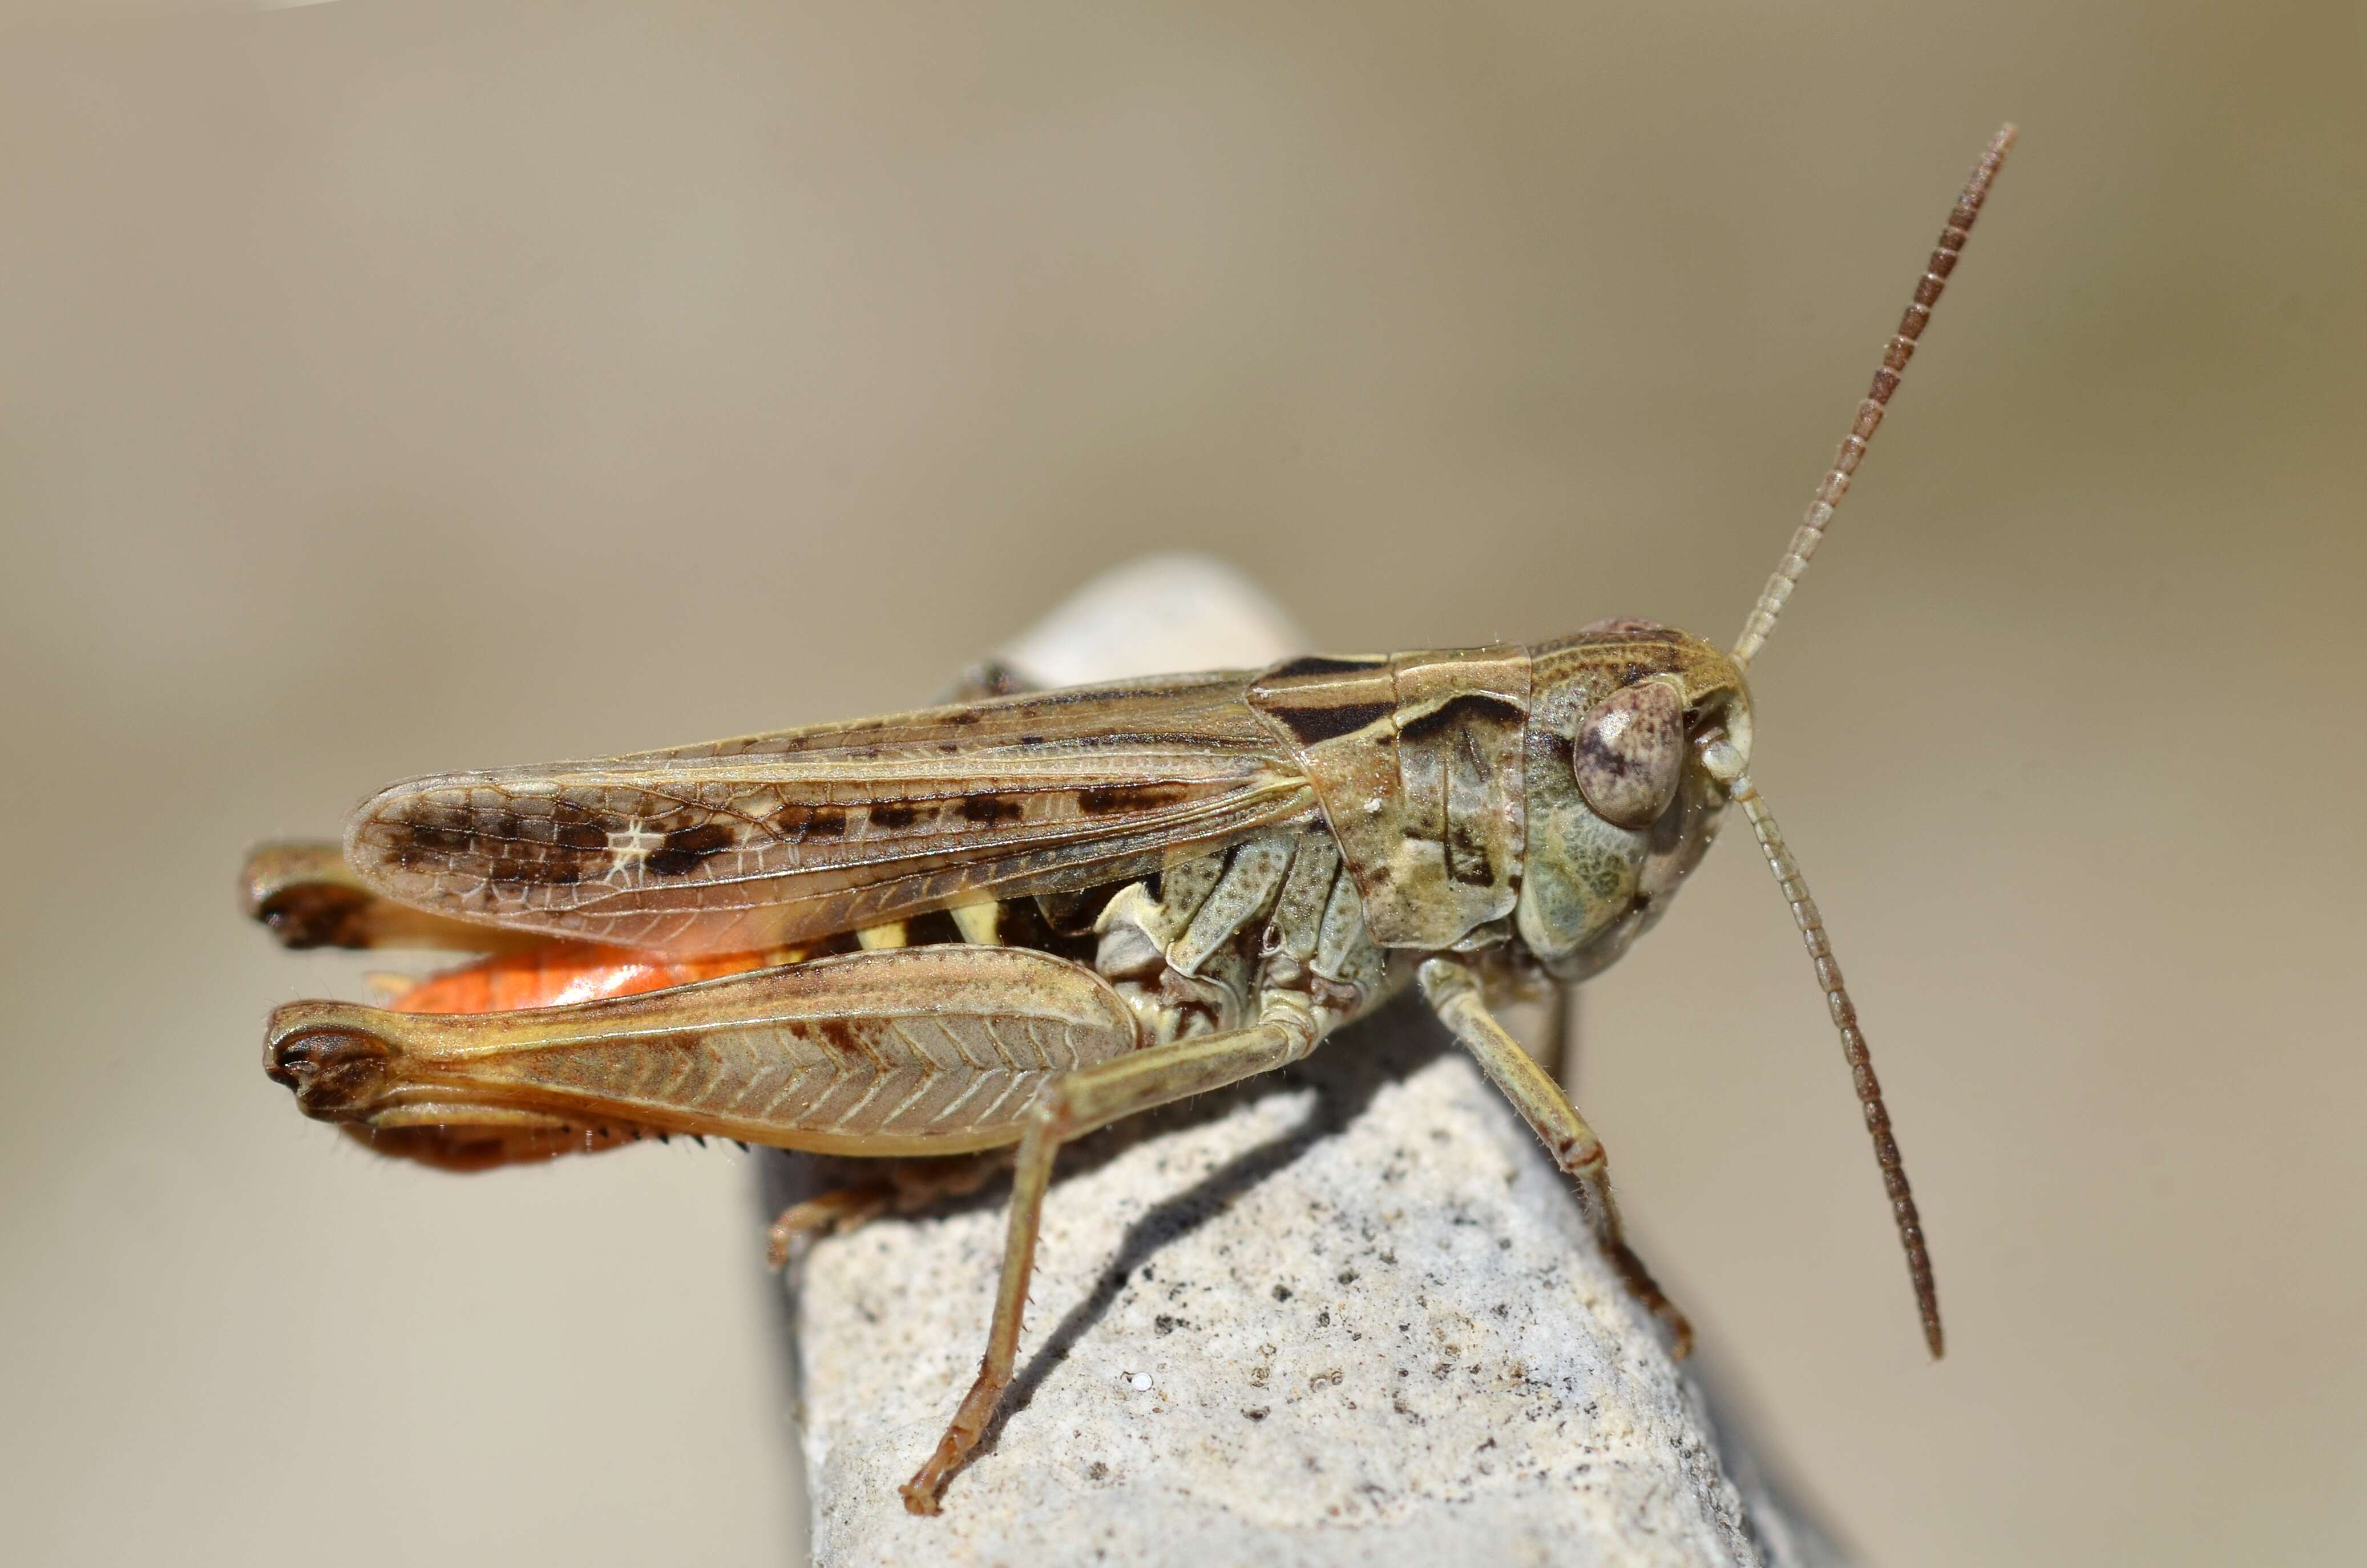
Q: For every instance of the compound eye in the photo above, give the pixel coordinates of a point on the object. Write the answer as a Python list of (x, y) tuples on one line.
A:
[(1630, 753)]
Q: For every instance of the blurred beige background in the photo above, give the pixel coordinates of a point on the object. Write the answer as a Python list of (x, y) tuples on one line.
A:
[(395, 386)]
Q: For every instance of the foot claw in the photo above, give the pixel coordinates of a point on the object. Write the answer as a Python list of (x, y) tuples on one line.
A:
[(920, 1491)]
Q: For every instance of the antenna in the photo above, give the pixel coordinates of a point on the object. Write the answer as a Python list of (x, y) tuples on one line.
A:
[(1900, 349), (1869, 1089)]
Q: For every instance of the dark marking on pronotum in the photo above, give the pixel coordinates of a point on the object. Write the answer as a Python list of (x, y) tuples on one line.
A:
[(1484, 707), (684, 848), (1467, 854), (990, 808), (1329, 721), (1107, 798)]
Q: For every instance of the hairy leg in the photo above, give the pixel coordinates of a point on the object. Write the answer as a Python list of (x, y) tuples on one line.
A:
[(1453, 991)]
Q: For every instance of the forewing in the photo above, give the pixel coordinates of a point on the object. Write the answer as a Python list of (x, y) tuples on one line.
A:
[(804, 833)]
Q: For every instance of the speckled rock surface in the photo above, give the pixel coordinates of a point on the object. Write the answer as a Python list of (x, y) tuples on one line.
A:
[(1346, 1314), (1350, 1314)]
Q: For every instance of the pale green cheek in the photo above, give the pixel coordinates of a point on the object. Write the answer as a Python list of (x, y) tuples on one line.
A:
[(1580, 877)]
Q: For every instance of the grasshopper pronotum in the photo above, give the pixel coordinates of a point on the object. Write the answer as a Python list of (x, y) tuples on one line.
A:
[(1017, 917)]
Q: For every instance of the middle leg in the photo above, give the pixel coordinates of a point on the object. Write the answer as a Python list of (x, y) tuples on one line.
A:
[(1453, 991)]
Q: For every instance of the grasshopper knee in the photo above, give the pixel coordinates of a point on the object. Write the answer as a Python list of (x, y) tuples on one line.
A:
[(336, 1070), (1055, 1117)]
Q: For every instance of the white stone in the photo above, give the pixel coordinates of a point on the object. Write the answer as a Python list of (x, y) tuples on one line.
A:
[(1156, 615), (1349, 1313)]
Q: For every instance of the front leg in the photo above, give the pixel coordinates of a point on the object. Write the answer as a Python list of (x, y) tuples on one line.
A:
[(1558, 1050), (1071, 1108), (1453, 991)]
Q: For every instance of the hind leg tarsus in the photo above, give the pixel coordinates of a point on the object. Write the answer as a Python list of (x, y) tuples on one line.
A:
[(908, 1186)]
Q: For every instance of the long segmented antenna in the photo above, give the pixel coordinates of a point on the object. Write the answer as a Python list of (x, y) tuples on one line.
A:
[(1869, 1091), (1902, 349)]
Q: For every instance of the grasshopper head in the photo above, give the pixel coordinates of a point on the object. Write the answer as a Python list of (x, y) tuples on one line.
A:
[(1636, 732)]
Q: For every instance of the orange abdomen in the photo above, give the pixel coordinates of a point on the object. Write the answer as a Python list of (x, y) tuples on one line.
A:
[(556, 974)]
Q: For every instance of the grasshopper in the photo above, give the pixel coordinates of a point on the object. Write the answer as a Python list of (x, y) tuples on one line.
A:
[(1014, 919)]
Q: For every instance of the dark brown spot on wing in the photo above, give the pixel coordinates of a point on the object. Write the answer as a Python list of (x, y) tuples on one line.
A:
[(514, 859), (429, 843), (686, 848), (800, 821), (990, 808), (582, 833), (546, 871), (893, 814), (1106, 798)]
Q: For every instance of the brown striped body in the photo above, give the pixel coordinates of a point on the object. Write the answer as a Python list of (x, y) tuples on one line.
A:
[(1192, 846)]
